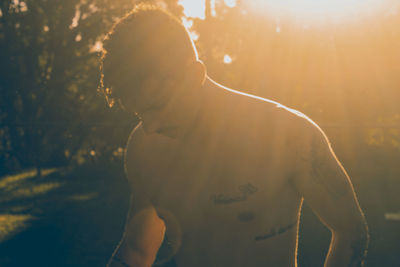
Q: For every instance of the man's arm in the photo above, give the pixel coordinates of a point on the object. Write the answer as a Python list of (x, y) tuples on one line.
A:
[(327, 188), (144, 229), (143, 237)]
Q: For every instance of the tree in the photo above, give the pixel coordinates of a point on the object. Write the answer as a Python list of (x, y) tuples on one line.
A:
[(49, 65)]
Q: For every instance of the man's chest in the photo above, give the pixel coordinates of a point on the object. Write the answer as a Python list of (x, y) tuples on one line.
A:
[(219, 193), (193, 179), (221, 203)]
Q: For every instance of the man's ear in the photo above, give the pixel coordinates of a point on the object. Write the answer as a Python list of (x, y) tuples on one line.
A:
[(199, 72)]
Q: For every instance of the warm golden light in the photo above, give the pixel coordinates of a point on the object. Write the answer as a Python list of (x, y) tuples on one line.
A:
[(11, 224), (332, 10), (305, 10), (194, 9), (230, 3), (227, 59)]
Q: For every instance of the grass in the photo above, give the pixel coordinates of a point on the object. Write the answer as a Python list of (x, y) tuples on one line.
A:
[(74, 217), (65, 218), (13, 224)]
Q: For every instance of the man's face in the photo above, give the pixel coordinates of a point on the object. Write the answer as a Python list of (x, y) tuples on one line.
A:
[(166, 99), (156, 102)]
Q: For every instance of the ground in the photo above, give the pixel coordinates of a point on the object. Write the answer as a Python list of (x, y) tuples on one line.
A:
[(75, 216)]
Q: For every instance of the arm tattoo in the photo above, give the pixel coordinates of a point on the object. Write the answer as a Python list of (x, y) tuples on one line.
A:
[(322, 172)]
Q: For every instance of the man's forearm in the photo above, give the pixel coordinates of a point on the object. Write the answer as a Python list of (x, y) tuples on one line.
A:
[(143, 237), (347, 250), (125, 257)]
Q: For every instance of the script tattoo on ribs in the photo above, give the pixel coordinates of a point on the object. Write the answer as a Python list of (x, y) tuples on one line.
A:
[(276, 231), (244, 192)]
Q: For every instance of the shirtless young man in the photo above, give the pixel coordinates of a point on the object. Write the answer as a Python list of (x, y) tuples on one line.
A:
[(218, 177)]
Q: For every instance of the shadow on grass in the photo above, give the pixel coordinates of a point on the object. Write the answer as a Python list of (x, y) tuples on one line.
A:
[(66, 218), (76, 217)]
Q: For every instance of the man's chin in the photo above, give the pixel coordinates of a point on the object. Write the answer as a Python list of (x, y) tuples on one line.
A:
[(151, 128), (169, 131)]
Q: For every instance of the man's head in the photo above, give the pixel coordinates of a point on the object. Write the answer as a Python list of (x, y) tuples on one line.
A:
[(146, 55)]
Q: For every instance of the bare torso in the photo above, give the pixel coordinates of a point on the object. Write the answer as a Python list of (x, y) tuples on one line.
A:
[(226, 197)]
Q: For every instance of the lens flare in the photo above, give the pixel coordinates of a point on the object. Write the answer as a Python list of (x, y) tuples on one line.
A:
[(193, 9), (230, 3), (227, 59), (333, 10)]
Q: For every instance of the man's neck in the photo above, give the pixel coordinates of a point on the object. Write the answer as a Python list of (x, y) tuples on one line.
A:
[(191, 113)]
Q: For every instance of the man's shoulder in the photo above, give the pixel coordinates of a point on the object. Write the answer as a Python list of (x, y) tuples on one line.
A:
[(300, 120), (305, 134), (283, 115), (263, 103)]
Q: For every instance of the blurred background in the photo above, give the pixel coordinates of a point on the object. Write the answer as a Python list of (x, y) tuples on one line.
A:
[(63, 195)]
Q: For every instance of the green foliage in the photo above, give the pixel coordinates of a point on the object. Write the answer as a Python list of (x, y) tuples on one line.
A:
[(50, 110), (343, 76)]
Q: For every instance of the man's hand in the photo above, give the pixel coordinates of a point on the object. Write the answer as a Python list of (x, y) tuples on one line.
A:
[(143, 237)]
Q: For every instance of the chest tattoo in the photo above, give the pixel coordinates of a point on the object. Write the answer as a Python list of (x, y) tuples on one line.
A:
[(243, 193)]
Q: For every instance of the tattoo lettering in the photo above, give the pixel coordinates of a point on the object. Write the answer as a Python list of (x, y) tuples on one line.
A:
[(274, 232), (245, 191), (322, 172)]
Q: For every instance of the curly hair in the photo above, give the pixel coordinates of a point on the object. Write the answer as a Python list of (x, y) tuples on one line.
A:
[(148, 41)]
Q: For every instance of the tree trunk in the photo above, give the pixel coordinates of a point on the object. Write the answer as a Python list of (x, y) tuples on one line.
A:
[(39, 171)]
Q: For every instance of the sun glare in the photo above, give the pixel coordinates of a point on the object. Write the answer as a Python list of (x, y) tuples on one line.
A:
[(304, 10), (227, 59), (194, 9), (230, 3), (333, 10), (197, 9)]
